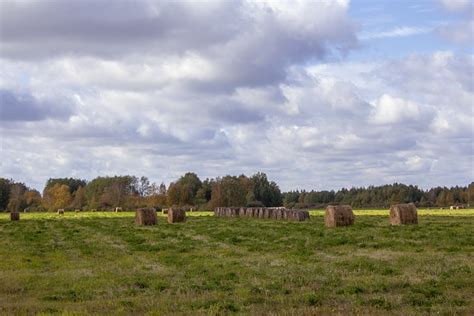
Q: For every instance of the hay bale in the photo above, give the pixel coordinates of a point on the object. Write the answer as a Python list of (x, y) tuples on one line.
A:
[(176, 215), (297, 215), (220, 211), (235, 211), (338, 215), (402, 214), (118, 209), (61, 211), (278, 214), (291, 215), (145, 216), (15, 216), (251, 212)]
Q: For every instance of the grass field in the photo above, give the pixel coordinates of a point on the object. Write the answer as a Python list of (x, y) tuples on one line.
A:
[(102, 263)]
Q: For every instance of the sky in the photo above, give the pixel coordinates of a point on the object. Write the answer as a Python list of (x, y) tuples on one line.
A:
[(316, 94)]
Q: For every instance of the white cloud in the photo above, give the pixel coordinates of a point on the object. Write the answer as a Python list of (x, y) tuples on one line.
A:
[(401, 31), (392, 110), (251, 94)]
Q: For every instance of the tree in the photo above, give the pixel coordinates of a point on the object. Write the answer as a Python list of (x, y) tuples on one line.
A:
[(32, 198), (228, 191), (173, 194), (111, 191), (57, 197), (264, 191), (17, 200), (79, 198), (5, 188), (470, 194), (203, 195), (73, 184), (114, 195), (183, 191), (162, 189), (144, 187)]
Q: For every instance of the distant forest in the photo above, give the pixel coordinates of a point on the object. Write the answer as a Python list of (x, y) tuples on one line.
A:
[(129, 192)]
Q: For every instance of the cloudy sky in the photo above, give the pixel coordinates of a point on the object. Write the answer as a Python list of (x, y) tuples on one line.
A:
[(318, 94)]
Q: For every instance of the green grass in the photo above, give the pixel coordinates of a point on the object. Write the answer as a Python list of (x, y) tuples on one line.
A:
[(83, 263)]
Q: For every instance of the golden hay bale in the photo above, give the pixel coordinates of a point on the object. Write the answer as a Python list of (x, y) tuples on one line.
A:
[(61, 211), (15, 216), (401, 214), (176, 215), (338, 215), (145, 216)]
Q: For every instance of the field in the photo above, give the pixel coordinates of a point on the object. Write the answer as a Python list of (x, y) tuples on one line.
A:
[(84, 263)]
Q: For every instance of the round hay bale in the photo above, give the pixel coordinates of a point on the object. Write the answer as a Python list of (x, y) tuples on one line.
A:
[(176, 215), (145, 216), (61, 211), (403, 214), (15, 216), (338, 215)]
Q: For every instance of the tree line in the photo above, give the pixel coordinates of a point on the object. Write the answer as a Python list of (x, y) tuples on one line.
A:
[(189, 191), (382, 196)]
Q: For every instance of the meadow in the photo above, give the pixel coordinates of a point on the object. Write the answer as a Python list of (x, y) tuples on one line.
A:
[(83, 263)]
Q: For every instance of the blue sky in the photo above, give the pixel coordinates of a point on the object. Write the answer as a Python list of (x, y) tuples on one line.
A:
[(418, 20), (317, 94)]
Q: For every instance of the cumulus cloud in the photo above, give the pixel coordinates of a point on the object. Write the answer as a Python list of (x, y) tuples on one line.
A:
[(392, 110)]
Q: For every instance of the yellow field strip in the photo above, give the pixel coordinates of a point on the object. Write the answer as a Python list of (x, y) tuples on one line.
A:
[(421, 212)]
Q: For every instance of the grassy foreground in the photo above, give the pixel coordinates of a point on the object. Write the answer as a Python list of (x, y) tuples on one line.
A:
[(102, 263)]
